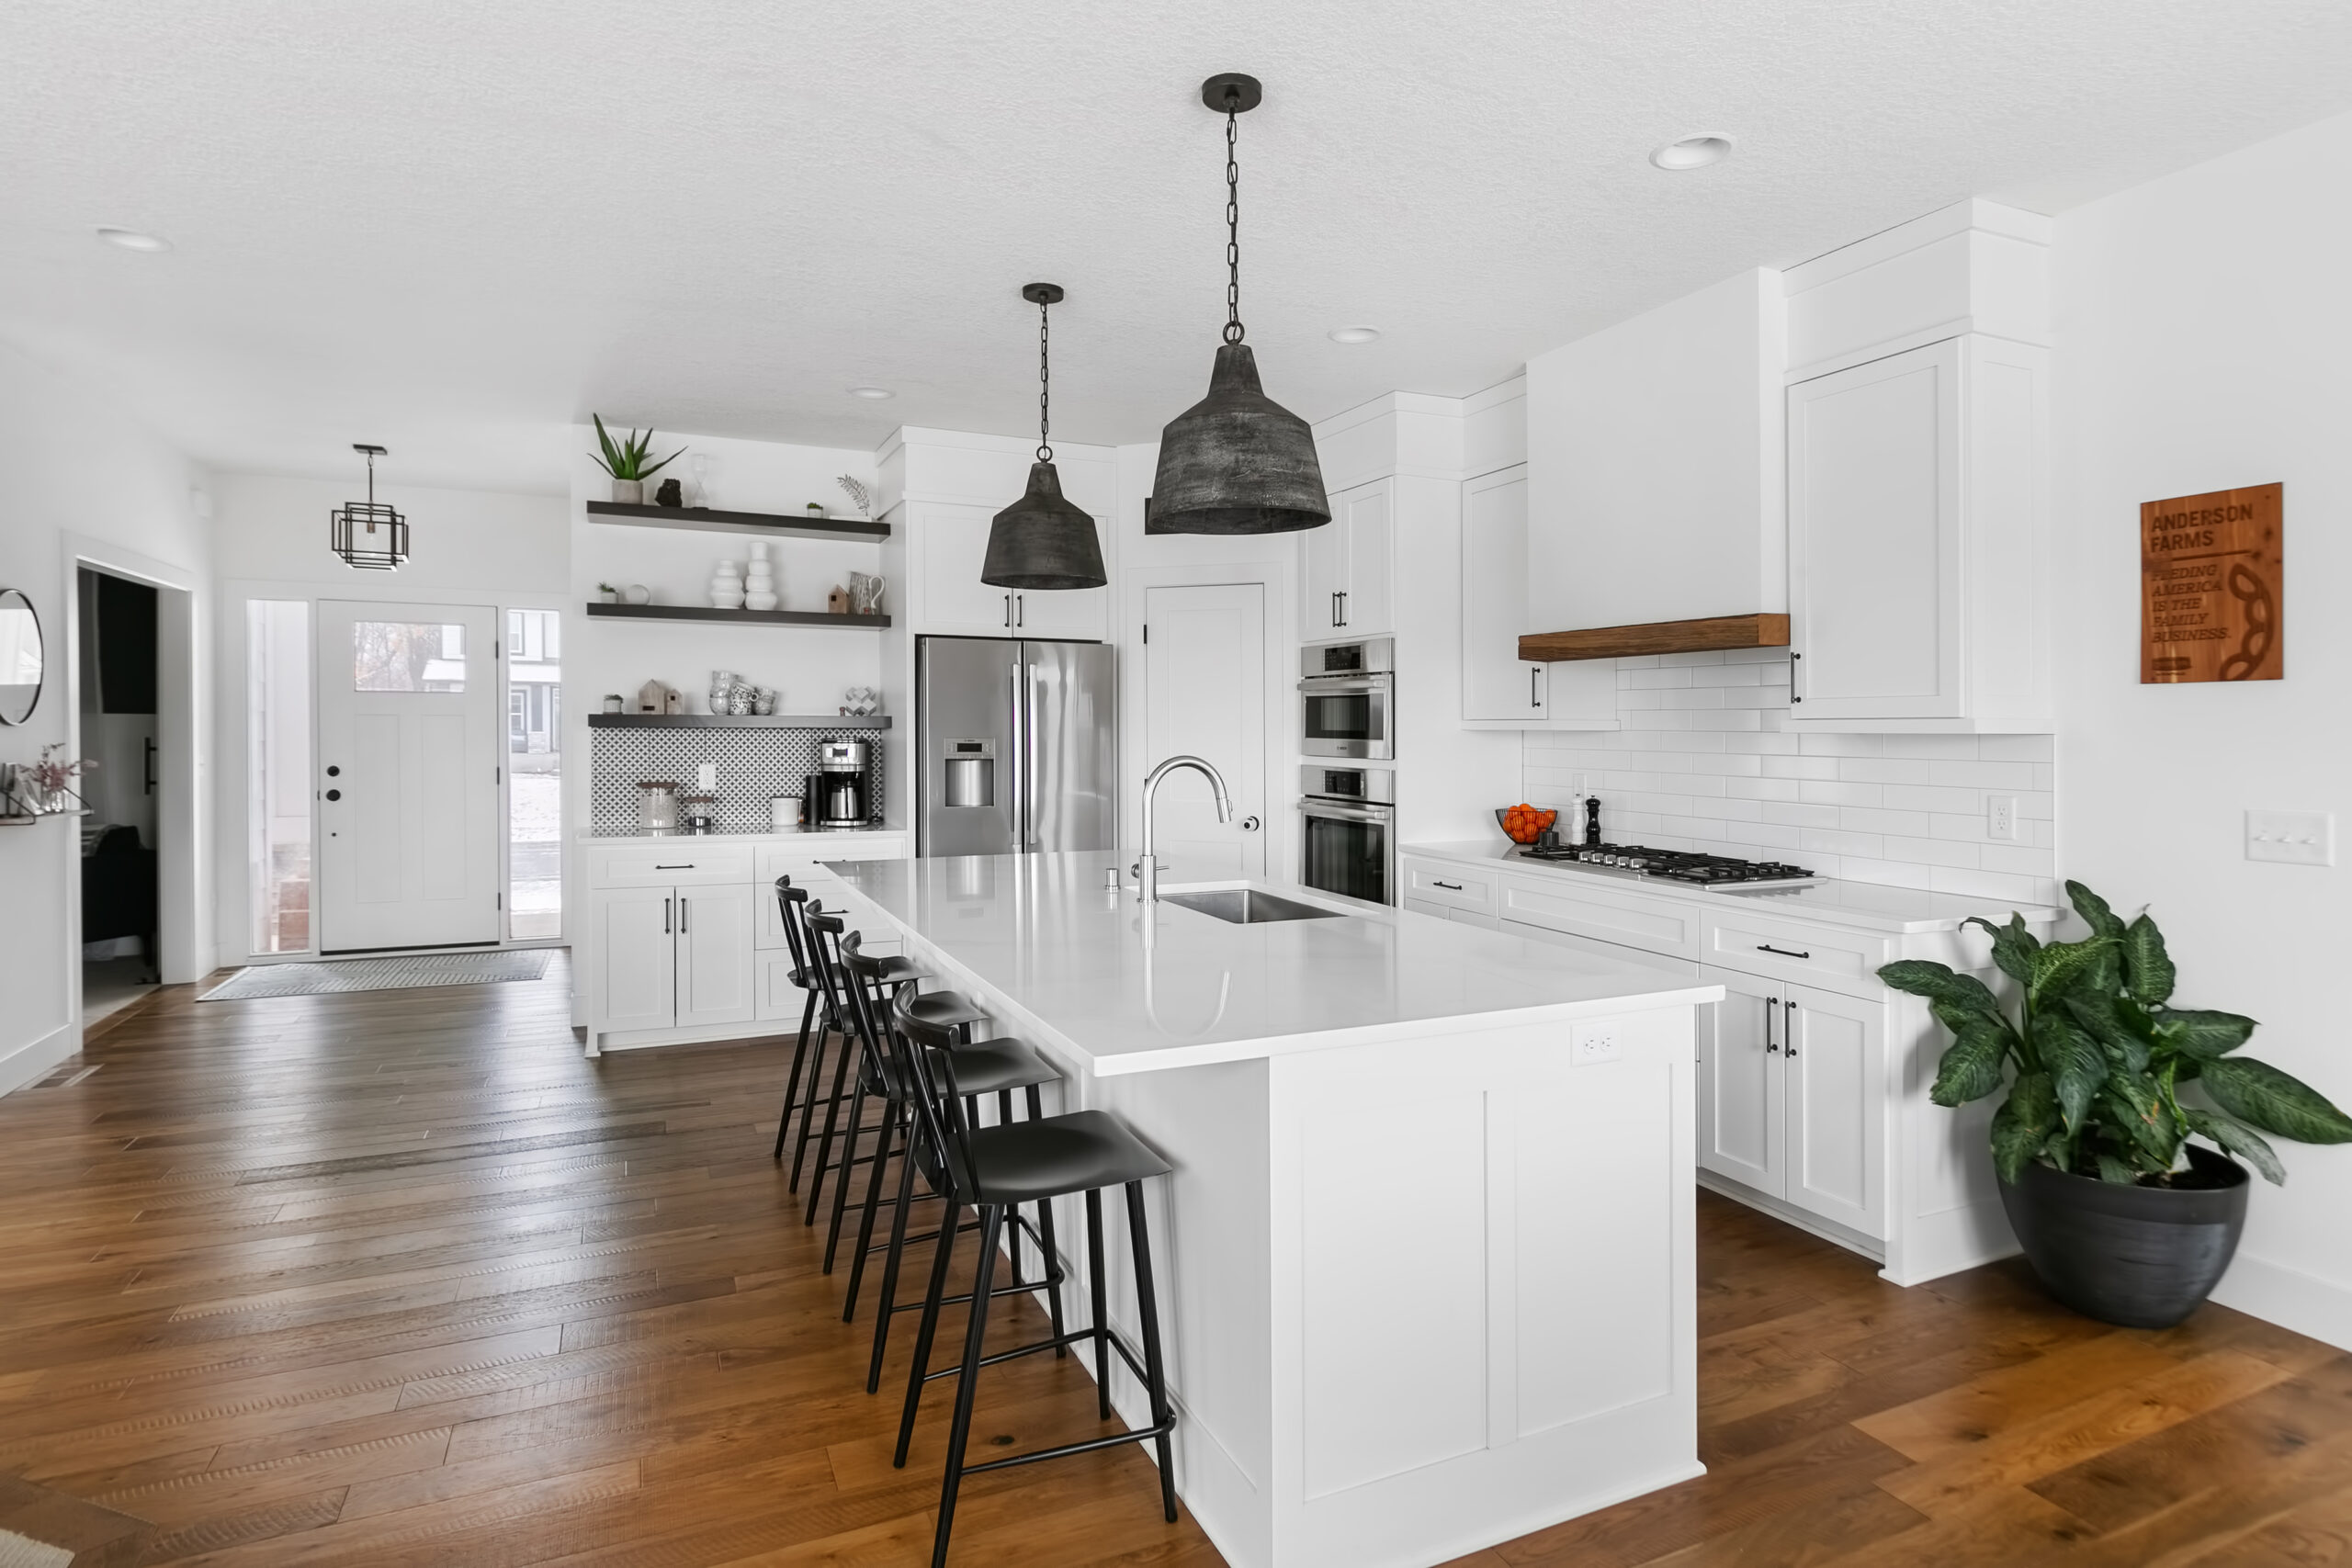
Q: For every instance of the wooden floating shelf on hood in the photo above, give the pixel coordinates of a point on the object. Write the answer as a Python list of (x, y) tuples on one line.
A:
[(1657, 637)]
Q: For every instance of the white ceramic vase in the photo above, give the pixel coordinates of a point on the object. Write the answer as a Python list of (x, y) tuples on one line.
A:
[(759, 579), (725, 588)]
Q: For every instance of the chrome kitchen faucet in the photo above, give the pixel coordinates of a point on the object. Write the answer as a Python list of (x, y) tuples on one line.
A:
[(1146, 869)]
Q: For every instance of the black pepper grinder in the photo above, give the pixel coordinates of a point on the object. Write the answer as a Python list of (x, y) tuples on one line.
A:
[(1592, 821)]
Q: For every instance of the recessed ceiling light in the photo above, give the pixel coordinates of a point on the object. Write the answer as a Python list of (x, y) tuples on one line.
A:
[(132, 240), (871, 394), (1354, 335), (1693, 152)]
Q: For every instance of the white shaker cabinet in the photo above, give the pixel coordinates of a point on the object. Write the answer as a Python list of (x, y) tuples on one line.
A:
[(715, 957), (632, 944), (1349, 567), (1498, 686), (947, 545), (1916, 504), (1793, 1097)]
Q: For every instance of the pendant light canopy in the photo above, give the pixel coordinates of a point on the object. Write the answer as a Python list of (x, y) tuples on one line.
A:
[(1235, 462), (1042, 541), (369, 534)]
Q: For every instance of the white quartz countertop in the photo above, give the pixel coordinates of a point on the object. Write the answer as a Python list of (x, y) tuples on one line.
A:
[(628, 835), (1125, 987), (1860, 906)]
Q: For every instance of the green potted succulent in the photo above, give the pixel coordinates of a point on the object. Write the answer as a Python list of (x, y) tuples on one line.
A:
[(2123, 1217), (626, 462)]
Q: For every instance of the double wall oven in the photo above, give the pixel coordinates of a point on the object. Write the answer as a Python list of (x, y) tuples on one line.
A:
[(1347, 810)]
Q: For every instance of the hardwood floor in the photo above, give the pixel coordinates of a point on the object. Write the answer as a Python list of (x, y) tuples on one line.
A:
[(398, 1278)]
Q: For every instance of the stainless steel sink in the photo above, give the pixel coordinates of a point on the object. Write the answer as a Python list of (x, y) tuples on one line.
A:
[(1248, 906)]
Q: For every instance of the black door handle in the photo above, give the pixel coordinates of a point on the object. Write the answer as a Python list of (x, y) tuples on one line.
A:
[(335, 795)]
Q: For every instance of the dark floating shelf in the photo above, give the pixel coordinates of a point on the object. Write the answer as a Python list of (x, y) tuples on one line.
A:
[(739, 617), (710, 520), (734, 721)]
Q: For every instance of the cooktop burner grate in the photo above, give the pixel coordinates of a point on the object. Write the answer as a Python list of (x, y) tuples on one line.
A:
[(1671, 866)]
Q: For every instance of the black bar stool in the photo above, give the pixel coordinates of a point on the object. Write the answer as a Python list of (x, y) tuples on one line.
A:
[(788, 900), (851, 1083), (996, 1169), (988, 1067)]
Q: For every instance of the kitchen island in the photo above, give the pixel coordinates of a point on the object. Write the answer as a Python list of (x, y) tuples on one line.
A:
[(1427, 1252)]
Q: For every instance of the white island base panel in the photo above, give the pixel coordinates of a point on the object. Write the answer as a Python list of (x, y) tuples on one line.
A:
[(1423, 1296), (1427, 1283)]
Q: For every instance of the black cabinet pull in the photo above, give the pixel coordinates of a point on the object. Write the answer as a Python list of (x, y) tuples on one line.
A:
[(1772, 1004), (1795, 658), (1533, 701), (1449, 887), (1789, 1028), (1784, 953), (682, 902), (684, 865), (665, 917)]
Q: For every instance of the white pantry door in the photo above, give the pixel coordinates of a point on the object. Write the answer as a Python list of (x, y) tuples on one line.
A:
[(407, 779), (1204, 693)]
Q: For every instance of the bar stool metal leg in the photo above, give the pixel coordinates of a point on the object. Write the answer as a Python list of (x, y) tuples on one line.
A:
[(844, 1072), (808, 1104), (960, 1429), (927, 1328), (1155, 1366), (792, 1081), (849, 1163)]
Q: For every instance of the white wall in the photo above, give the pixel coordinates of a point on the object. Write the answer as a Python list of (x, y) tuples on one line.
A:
[(2203, 323), (77, 469), (1659, 440)]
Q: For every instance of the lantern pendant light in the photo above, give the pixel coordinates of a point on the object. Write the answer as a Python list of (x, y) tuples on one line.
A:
[(368, 535), (1235, 462), (1042, 541)]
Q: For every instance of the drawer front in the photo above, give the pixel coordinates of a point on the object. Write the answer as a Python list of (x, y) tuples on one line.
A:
[(681, 863), (801, 855), (1455, 886), (1686, 968), (1655, 925), (1841, 961)]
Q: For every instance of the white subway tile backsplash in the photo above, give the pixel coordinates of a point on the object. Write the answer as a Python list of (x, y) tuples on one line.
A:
[(1702, 761)]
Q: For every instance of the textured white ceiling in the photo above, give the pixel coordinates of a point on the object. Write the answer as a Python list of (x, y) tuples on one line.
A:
[(455, 227)]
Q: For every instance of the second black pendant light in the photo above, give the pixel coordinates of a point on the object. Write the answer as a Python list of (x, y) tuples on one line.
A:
[(1042, 541), (1235, 462)]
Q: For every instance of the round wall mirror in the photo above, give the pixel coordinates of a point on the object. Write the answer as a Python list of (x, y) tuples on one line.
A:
[(21, 656)]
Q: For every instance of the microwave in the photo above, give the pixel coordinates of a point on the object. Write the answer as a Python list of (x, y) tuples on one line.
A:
[(1347, 700)]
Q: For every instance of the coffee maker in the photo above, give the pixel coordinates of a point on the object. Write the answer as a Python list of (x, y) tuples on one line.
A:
[(837, 796)]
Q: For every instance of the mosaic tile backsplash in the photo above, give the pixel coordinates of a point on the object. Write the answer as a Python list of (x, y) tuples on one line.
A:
[(752, 765)]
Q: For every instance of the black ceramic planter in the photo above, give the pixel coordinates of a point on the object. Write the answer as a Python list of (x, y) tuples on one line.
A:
[(2141, 1257)]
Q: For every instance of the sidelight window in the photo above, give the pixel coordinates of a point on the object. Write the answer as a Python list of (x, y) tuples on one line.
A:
[(277, 772)]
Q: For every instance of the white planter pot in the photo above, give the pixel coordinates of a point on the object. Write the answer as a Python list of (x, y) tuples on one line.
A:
[(629, 493)]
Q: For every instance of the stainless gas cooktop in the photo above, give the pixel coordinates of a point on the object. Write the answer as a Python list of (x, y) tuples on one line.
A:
[(1689, 866)]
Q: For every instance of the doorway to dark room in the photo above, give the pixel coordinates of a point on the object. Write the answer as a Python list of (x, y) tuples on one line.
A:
[(121, 953)]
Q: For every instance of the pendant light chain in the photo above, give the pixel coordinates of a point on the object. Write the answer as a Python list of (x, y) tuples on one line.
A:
[(1045, 383), (1234, 330)]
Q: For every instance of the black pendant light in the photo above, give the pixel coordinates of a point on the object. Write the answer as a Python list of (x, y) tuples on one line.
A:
[(369, 534), (1042, 541), (1235, 462)]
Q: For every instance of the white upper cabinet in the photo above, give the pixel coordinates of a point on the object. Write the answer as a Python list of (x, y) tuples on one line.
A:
[(951, 485), (1498, 686), (1918, 477), (1915, 539), (1349, 567)]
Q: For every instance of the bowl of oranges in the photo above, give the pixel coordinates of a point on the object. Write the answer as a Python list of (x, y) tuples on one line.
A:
[(1525, 823)]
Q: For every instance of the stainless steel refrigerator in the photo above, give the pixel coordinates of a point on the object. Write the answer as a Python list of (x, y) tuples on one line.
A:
[(1016, 750)]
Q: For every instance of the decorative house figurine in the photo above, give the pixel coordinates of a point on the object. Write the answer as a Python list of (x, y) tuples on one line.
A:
[(672, 699), (655, 697), (837, 602)]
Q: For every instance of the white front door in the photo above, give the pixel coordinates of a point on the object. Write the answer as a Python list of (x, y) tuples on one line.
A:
[(1204, 693), (408, 775)]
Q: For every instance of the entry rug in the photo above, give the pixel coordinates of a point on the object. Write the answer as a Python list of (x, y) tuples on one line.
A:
[(381, 974), (24, 1552)]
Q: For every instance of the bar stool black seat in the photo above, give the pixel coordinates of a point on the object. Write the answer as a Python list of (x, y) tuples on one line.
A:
[(995, 1170)]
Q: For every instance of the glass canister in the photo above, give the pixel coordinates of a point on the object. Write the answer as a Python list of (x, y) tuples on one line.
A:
[(698, 813), (656, 806)]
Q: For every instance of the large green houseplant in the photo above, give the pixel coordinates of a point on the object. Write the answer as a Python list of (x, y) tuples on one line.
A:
[(2121, 1214)]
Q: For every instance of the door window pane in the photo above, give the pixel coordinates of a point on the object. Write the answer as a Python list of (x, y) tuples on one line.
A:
[(277, 772), (407, 656), (535, 772)]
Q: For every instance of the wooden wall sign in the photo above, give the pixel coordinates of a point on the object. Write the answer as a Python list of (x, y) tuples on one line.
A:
[(2212, 587)]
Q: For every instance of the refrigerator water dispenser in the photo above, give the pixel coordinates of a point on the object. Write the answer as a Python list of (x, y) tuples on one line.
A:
[(971, 774)]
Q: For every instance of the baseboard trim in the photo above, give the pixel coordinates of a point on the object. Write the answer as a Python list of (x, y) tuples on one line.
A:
[(1789, 1214), (32, 1060), (2289, 1298)]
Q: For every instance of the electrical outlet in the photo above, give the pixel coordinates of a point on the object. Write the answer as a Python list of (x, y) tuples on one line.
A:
[(2291, 838), (2001, 818), (1590, 1043)]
